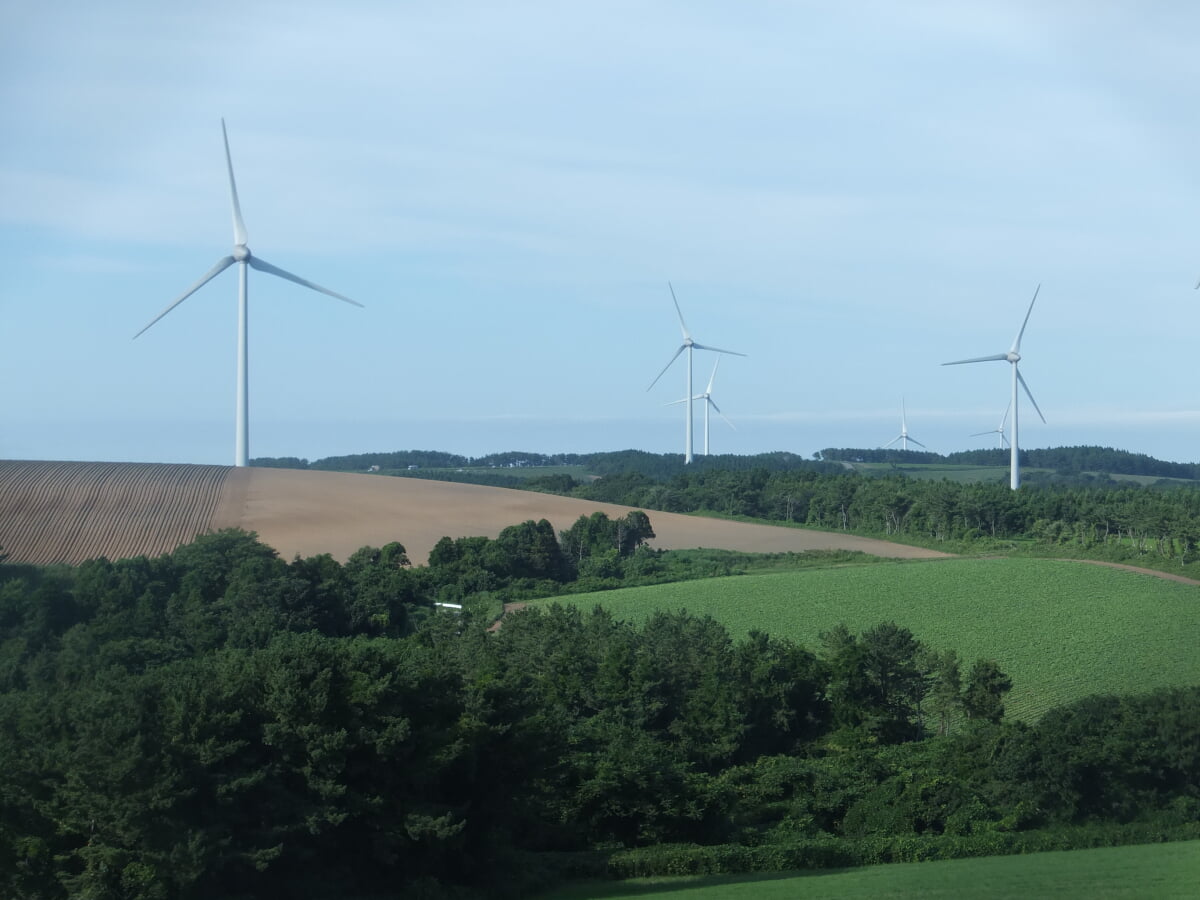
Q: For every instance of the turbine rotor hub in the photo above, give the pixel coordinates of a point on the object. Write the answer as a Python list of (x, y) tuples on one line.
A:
[(1012, 357), (241, 252)]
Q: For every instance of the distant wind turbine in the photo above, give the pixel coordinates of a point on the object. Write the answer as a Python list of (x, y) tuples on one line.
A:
[(999, 429), (1012, 356), (242, 256), (709, 402), (688, 345), (903, 437)]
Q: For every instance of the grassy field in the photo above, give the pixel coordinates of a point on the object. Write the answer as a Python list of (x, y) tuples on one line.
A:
[(1061, 630), (1161, 871)]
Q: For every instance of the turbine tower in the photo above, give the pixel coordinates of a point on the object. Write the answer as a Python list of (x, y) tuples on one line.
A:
[(708, 403), (242, 256), (903, 436), (999, 429), (1013, 356), (688, 345)]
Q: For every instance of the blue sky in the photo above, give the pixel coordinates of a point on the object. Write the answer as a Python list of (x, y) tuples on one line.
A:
[(851, 194)]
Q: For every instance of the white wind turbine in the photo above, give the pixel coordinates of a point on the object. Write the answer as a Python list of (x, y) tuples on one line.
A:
[(688, 345), (999, 429), (1012, 356), (709, 402), (242, 256), (903, 437)]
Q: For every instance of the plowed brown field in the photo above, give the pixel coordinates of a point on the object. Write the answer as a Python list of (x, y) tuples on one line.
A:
[(66, 512), (69, 512)]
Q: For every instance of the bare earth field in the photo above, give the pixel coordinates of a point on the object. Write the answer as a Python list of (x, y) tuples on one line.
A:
[(68, 512)]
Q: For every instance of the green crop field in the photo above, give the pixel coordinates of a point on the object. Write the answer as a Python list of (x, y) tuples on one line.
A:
[(1161, 871), (1062, 630)]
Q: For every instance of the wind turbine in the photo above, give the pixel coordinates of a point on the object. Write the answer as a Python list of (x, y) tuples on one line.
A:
[(242, 256), (688, 345), (708, 403), (999, 429), (1012, 356), (903, 436)]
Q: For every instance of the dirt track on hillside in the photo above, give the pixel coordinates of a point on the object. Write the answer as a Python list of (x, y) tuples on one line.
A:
[(1182, 579)]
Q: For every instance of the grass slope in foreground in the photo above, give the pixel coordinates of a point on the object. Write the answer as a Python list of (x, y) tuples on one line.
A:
[(1162, 871), (1061, 630)]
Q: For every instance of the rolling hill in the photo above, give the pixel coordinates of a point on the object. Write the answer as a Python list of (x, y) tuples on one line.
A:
[(67, 512), (1062, 629)]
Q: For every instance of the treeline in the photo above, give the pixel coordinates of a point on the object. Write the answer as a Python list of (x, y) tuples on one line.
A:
[(404, 459), (218, 722), (1064, 461), (1105, 521), (654, 465), (1101, 460)]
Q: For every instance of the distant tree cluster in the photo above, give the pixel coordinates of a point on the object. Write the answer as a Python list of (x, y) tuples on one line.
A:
[(1107, 521), (1064, 460), (279, 462), (661, 466), (656, 465), (1076, 460)]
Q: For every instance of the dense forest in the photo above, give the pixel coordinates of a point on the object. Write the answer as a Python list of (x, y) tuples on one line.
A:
[(1153, 527), (219, 722)]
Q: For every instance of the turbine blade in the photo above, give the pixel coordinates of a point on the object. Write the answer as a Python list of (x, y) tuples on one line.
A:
[(712, 378), (959, 362), (239, 227), (979, 433), (713, 403), (222, 264), (1029, 394), (892, 441), (913, 440), (263, 266), (1016, 347), (682, 347), (678, 312), (716, 349)]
